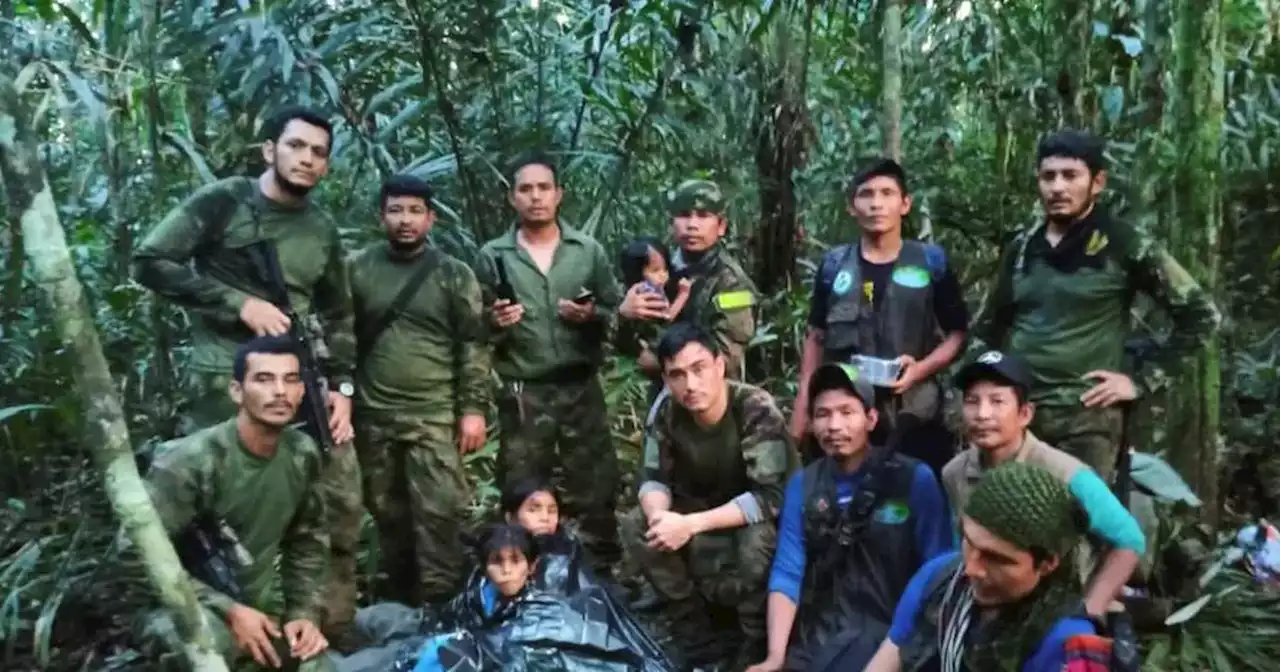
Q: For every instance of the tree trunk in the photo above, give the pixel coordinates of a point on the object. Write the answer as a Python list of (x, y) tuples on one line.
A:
[(1198, 112), (891, 110), (55, 275)]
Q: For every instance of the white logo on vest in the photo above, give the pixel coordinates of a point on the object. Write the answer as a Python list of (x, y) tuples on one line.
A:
[(991, 357)]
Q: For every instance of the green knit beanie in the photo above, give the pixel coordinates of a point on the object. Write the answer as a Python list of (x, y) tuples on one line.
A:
[(1027, 506)]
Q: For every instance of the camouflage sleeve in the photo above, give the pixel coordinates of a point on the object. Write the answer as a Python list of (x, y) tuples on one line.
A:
[(1195, 318), (991, 325), (608, 292), (733, 320), (333, 304), (304, 557), (162, 262), (766, 448), (176, 485), (469, 339)]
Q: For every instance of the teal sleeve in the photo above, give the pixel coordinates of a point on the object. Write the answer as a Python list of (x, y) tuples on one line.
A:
[(1108, 519)]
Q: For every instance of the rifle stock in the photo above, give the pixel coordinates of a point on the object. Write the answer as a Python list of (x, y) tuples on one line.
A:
[(314, 412)]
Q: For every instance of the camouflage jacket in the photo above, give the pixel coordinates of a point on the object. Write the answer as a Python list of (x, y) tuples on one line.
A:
[(722, 300), (744, 458), (432, 360), (273, 505), (1066, 308), (196, 258)]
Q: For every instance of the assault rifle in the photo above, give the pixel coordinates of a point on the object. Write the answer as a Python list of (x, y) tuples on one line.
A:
[(211, 553), (308, 344)]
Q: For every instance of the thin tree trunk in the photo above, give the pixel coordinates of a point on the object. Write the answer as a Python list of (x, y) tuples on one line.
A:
[(891, 111), (55, 275), (1198, 113)]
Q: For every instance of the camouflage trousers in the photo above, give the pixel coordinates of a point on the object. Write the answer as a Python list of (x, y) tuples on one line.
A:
[(1092, 435), (560, 433), (161, 642), (416, 489), (721, 571), (340, 479)]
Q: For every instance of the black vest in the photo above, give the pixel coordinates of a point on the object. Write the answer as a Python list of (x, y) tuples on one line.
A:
[(859, 561), (904, 325)]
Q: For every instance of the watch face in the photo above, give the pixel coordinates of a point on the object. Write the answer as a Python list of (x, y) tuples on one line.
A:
[(347, 389)]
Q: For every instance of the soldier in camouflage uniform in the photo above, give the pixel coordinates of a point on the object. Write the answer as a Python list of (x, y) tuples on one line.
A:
[(1063, 296), (722, 296), (716, 458), (196, 257), (550, 298), (421, 395), (261, 477)]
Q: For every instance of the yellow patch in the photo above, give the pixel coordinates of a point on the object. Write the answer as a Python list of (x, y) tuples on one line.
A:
[(869, 291), (1097, 242), (734, 300)]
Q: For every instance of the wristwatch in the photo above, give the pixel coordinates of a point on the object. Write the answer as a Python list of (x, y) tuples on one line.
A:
[(346, 389)]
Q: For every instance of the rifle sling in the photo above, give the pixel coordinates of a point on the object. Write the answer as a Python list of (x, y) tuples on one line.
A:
[(365, 339)]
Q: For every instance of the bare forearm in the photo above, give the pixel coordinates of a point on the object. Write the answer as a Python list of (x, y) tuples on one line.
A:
[(1117, 567), (781, 618), (943, 355), (810, 360), (887, 659), (723, 517)]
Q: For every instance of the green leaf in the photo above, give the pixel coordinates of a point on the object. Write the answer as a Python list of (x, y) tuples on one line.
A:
[(1113, 102), (410, 111), (197, 160), (1155, 476), (287, 58), (84, 92), (330, 84), (1188, 612), (78, 25), (7, 413), (395, 90)]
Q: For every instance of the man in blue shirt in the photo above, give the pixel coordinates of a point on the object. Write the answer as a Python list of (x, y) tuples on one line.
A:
[(1010, 600), (855, 525)]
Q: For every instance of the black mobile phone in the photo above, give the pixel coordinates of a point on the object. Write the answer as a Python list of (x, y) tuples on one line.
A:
[(584, 297)]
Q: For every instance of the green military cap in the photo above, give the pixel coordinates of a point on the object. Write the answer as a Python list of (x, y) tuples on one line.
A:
[(690, 195)]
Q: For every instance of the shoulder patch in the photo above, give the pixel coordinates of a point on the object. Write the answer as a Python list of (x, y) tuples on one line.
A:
[(734, 300)]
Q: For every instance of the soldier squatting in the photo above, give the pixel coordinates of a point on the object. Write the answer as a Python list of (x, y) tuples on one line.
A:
[(760, 560)]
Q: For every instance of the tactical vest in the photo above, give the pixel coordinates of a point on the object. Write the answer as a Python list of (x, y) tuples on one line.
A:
[(905, 324), (696, 309), (860, 559)]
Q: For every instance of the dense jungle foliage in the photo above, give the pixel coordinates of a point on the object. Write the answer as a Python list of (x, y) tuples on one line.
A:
[(135, 104)]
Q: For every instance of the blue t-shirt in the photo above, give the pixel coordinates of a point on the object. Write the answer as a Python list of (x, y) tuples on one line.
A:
[(1050, 656), (926, 502)]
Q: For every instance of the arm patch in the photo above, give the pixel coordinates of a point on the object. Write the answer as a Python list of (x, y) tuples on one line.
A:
[(734, 300)]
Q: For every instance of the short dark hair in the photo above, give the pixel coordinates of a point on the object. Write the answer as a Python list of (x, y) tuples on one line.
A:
[(404, 185), (275, 125), (266, 345), (879, 167), (681, 335), (635, 256), (533, 158), (1071, 143), (515, 494)]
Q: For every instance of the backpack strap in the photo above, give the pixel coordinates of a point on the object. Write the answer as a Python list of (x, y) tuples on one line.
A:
[(366, 338)]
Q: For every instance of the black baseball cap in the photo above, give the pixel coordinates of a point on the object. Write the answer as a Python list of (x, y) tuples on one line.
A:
[(996, 366), (840, 376)]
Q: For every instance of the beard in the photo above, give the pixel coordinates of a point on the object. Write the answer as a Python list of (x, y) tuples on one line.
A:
[(291, 188), (1065, 218), (401, 247)]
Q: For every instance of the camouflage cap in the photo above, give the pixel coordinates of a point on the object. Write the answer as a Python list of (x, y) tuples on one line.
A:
[(690, 195)]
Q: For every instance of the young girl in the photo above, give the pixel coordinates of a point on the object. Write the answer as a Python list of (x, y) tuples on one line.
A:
[(532, 505), (646, 260)]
